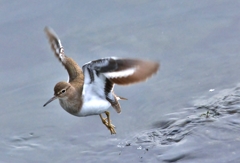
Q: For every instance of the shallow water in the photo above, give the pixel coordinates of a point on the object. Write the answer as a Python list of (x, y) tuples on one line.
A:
[(188, 112)]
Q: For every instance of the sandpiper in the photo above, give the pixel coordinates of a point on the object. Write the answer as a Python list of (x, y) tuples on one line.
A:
[(89, 91)]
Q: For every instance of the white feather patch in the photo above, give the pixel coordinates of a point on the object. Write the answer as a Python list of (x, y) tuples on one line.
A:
[(60, 44), (119, 74), (62, 57)]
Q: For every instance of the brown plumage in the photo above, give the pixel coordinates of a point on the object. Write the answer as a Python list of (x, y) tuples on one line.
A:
[(89, 90), (144, 70)]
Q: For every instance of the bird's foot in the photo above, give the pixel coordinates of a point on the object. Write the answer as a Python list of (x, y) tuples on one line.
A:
[(110, 126)]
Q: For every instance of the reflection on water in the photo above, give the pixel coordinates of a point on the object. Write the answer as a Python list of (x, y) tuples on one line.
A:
[(207, 132)]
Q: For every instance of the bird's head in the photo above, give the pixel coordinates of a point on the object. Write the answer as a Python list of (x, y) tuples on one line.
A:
[(60, 91)]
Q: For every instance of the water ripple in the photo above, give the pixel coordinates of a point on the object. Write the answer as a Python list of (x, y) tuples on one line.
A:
[(206, 125)]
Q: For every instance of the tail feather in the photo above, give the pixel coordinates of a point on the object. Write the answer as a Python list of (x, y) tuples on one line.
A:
[(121, 98)]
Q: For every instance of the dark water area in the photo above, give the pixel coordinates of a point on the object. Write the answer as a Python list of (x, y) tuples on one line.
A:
[(188, 112)]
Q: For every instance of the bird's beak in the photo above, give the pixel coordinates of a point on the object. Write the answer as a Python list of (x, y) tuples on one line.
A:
[(53, 98)]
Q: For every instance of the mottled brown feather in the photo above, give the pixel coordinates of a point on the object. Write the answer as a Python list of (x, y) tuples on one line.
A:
[(115, 104), (144, 70), (74, 71), (55, 42)]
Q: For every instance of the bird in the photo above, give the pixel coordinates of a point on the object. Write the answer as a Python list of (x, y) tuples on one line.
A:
[(89, 90)]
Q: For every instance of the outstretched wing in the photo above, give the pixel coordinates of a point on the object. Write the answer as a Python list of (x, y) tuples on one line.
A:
[(74, 71), (101, 75), (123, 71)]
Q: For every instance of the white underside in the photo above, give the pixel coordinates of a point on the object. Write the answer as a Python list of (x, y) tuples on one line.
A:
[(94, 100), (93, 106)]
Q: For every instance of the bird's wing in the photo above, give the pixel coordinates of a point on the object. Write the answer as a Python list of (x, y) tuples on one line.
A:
[(74, 71), (101, 75), (122, 71)]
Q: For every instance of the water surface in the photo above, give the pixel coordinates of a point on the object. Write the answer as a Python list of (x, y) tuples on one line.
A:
[(188, 112)]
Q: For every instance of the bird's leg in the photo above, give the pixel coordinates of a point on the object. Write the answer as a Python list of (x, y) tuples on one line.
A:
[(110, 126), (103, 120), (107, 123)]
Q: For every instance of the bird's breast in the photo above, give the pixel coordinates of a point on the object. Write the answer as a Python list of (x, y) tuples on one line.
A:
[(87, 107), (72, 107)]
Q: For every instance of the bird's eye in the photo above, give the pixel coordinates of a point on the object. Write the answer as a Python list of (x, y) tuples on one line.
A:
[(63, 91)]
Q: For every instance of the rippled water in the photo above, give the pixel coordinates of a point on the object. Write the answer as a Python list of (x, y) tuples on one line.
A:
[(188, 112), (207, 132)]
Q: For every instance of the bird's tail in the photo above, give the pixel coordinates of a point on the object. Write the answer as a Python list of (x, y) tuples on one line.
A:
[(121, 98)]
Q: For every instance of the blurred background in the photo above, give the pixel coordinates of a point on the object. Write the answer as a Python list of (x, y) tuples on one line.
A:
[(187, 112)]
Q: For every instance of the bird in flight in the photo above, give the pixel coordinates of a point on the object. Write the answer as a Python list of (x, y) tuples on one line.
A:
[(89, 90)]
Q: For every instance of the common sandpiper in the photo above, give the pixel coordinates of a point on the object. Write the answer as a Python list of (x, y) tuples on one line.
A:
[(89, 90)]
